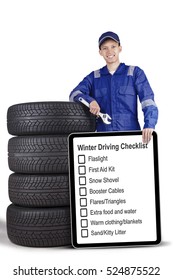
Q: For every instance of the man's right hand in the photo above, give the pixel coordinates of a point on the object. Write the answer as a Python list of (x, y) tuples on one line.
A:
[(94, 107)]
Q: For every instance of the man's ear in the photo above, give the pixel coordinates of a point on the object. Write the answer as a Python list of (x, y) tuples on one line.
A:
[(120, 48), (100, 52)]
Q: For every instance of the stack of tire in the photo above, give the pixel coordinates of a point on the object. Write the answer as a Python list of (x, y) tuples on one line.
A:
[(39, 215)]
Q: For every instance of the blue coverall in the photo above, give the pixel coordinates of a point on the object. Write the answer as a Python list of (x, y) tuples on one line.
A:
[(117, 95)]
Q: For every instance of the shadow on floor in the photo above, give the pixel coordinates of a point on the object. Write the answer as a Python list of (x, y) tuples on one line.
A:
[(3, 233)]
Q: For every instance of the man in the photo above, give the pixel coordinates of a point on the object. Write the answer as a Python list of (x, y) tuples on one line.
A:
[(114, 88)]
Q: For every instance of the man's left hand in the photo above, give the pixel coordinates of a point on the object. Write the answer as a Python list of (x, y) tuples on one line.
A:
[(146, 135)]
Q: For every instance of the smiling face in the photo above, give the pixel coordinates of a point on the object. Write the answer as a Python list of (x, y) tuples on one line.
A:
[(110, 51)]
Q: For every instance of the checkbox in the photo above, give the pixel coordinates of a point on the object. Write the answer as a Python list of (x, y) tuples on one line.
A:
[(83, 202), (81, 159), (84, 223), (82, 191), (82, 170), (83, 212), (84, 233), (82, 180)]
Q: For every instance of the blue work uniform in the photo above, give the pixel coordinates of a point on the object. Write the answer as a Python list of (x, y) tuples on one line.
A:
[(117, 96)]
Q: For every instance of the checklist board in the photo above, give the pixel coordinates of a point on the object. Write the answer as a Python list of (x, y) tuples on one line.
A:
[(114, 189)]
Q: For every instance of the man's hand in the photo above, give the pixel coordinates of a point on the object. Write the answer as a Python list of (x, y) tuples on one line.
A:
[(146, 135), (94, 108)]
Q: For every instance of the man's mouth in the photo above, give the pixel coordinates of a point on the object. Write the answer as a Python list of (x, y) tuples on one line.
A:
[(110, 56)]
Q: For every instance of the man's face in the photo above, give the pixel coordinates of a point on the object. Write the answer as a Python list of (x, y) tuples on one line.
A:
[(110, 51)]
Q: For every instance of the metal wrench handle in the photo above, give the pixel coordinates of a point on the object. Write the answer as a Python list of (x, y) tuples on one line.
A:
[(84, 102), (105, 117)]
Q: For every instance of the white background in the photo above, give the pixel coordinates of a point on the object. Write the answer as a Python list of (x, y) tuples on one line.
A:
[(46, 48)]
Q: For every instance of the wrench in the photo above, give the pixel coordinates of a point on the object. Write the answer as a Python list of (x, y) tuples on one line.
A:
[(105, 117)]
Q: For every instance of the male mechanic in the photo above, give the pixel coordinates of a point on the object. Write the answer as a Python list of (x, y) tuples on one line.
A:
[(114, 88)]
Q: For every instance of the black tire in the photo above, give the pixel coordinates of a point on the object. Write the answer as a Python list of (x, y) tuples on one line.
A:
[(49, 118), (39, 190), (38, 227), (38, 154)]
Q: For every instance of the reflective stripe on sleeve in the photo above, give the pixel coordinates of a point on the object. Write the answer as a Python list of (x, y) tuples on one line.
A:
[(74, 94), (148, 102)]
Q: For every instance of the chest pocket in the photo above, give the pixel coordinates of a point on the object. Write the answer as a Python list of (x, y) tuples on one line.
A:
[(101, 95), (100, 92), (127, 99), (127, 90)]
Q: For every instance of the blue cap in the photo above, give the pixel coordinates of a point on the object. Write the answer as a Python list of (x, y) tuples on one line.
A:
[(108, 35)]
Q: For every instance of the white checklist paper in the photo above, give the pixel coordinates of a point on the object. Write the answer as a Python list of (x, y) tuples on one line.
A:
[(114, 180)]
